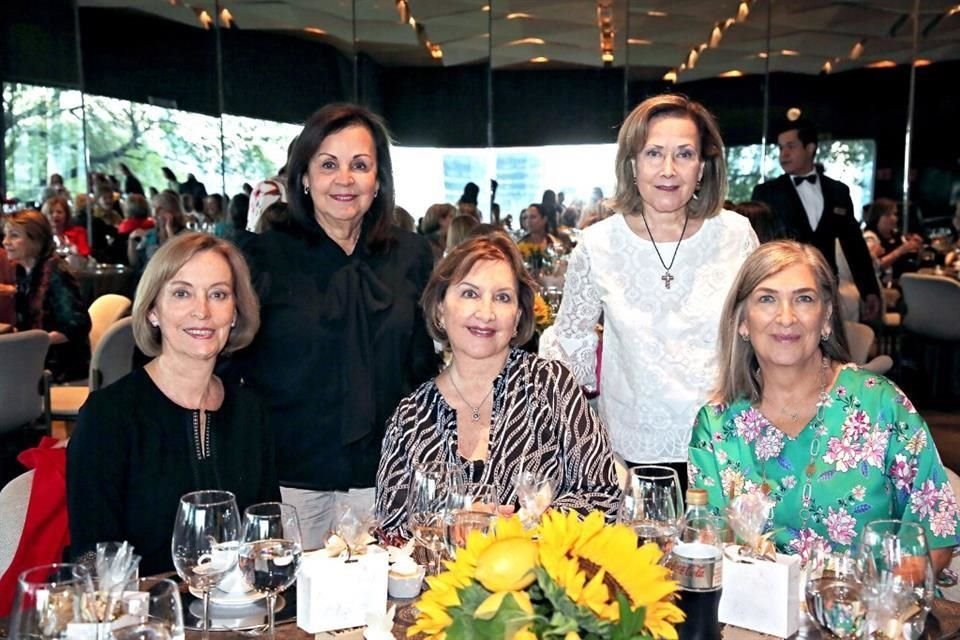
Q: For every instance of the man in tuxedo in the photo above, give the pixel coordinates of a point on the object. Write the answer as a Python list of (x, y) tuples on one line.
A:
[(814, 209)]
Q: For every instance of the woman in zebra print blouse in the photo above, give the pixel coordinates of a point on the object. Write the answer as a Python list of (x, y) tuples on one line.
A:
[(495, 409)]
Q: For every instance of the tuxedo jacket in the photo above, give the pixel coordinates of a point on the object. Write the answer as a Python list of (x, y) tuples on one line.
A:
[(836, 223)]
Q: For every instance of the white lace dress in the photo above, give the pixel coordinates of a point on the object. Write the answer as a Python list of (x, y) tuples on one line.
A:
[(659, 344)]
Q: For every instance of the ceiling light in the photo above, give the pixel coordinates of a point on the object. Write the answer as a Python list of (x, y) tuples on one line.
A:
[(203, 17), (403, 8), (827, 67), (729, 23), (436, 52), (763, 54), (703, 46), (539, 60), (716, 35), (607, 56), (683, 67), (670, 76), (226, 18), (485, 7), (692, 58), (922, 62), (526, 41), (882, 64), (953, 10), (789, 52), (733, 73), (519, 16), (638, 41), (315, 31), (743, 11), (657, 14), (793, 114), (857, 50)]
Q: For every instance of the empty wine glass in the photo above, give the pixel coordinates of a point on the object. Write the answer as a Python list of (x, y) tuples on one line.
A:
[(652, 504), (534, 493), (152, 611), (270, 550), (834, 593), (204, 541), (49, 598), (433, 494), (898, 576)]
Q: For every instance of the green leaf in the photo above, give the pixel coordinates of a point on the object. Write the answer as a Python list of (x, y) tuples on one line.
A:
[(509, 618), (631, 621)]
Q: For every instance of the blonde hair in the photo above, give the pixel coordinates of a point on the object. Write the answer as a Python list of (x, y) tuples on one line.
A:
[(37, 228), (739, 370), (459, 230), (165, 264), (633, 135)]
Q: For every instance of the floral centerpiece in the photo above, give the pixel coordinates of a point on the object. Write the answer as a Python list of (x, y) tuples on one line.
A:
[(542, 313), (536, 258), (569, 578)]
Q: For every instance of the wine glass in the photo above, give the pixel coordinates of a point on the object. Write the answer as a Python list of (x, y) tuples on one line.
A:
[(434, 487), (834, 593), (270, 551), (48, 598), (476, 509), (204, 541), (898, 576), (152, 612), (652, 504), (534, 493)]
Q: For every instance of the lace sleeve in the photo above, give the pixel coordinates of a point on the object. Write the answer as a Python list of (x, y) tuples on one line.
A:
[(573, 339)]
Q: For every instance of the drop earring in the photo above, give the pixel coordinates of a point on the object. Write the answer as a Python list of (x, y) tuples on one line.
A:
[(306, 189)]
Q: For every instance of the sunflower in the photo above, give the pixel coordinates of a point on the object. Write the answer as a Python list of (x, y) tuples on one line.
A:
[(592, 561)]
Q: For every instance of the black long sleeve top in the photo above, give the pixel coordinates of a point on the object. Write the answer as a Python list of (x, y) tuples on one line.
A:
[(342, 339), (134, 452)]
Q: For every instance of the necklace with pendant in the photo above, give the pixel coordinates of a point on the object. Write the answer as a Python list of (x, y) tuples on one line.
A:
[(666, 277), (806, 495), (475, 410)]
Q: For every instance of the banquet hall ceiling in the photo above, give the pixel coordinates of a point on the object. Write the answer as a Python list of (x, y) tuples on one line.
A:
[(805, 35)]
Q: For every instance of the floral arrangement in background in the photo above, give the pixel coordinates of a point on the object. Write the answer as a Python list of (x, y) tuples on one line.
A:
[(542, 313), (536, 258), (570, 577)]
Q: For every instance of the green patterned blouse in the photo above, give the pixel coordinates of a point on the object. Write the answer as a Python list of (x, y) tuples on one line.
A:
[(872, 458)]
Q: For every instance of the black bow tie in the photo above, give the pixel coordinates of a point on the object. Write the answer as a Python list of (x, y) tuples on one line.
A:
[(798, 180)]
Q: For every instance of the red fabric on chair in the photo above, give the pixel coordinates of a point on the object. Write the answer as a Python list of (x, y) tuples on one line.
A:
[(45, 531)]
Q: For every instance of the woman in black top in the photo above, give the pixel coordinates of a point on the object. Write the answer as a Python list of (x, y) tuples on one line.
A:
[(495, 410), (173, 426), (47, 295), (343, 338)]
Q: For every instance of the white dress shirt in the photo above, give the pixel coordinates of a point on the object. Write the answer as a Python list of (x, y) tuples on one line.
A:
[(812, 198), (659, 344)]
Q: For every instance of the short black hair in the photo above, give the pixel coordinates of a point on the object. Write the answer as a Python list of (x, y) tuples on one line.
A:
[(806, 130)]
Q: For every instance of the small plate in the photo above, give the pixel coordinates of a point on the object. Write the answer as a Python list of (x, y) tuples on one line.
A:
[(226, 599)]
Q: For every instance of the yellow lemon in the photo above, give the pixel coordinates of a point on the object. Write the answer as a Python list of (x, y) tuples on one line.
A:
[(507, 564)]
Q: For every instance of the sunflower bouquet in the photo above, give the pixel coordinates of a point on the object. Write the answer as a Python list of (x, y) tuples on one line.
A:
[(542, 313), (568, 578), (536, 258)]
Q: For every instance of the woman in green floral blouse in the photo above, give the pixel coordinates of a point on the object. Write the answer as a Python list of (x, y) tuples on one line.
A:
[(833, 445)]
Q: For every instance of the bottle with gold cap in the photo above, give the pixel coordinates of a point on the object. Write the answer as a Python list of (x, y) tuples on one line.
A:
[(696, 562)]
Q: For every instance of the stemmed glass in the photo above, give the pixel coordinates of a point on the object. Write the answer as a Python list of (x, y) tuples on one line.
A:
[(434, 487), (898, 576), (270, 550), (204, 546), (534, 493), (476, 508), (652, 504), (50, 597), (834, 593), (154, 612)]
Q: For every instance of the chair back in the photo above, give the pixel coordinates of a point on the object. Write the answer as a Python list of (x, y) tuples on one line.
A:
[(859, 338), (14, 499), (104, 311), (933, 305), (113, 357), (22, 356)]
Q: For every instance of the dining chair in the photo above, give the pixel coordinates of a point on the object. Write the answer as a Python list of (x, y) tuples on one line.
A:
[(931, 331), (22, 380), (104, 311), (14, 499), (111, 360), (860, 337)]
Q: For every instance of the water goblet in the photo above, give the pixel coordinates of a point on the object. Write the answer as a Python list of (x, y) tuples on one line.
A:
[(834, 593), (435, 488), (534, 493), (48, 599), (898, 576), (152, 611), (650, 510), (271, 547), (204, 542)]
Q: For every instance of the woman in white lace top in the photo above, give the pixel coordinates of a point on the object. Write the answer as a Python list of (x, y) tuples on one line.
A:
[(657, 273)]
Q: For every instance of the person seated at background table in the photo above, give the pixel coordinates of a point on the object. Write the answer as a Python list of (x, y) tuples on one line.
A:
[(891, 251), (460, 227), (137, 211), (792, 417), (142, 244), (47, 295), (495, 410), (65, 232), (540, 227), (172, 427)]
